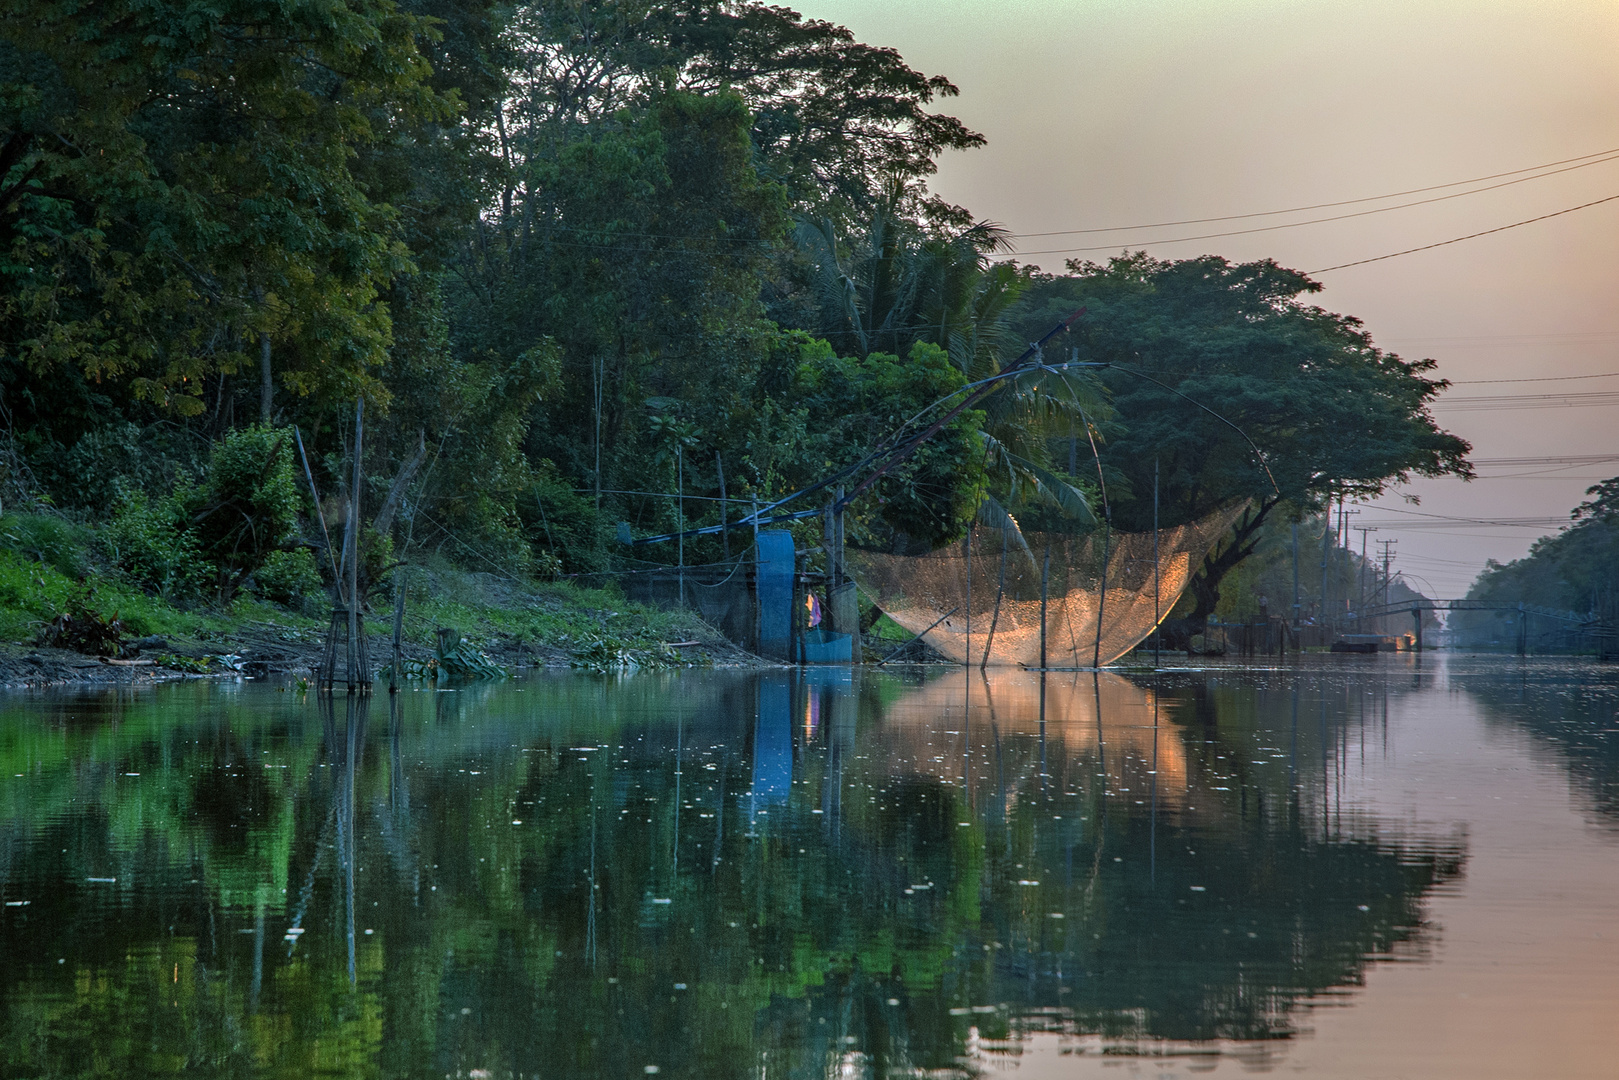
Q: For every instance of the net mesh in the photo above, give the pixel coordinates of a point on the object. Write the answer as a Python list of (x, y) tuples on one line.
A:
[(993, 613)]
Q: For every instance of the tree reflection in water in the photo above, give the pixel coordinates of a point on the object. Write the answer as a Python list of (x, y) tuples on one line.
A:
[(719, 874)]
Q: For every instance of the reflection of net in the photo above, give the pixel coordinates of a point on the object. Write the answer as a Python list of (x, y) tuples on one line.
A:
[(915, 591)]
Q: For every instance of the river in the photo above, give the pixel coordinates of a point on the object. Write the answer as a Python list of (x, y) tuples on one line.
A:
[(1390, 866)]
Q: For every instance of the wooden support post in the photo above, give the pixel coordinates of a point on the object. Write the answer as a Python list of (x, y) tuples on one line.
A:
[(399, 628), (1045, 574), (1000, 590), (680, 515), (355, 676), (1101, 599), (967, 654), (725, 533), (314, 493)]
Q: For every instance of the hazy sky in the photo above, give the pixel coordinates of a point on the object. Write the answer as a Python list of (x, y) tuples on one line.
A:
[(1104, 114)]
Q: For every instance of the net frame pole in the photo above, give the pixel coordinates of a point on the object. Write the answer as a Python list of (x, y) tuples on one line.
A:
[(356, 677), (1157, 601), (1000, 590), (725, 531), (1045, 575), (1101, 598), (967, 652)]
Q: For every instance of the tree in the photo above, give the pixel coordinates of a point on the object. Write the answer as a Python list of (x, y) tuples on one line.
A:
[(832, 119), (1237, 391), (1570, 570), (177, 191)]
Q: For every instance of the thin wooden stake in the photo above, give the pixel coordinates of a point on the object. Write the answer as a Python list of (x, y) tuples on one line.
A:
[(1101, 599), (356, 676), (995, 620), (314, 493), (1045, 574), (399, 627), (967, 542), (725, 533), (1157, 616)]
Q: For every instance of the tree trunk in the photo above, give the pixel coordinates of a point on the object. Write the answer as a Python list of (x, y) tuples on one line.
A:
[(266, 387), (1205, 585)]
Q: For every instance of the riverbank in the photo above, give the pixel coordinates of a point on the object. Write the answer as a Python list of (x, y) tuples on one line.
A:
[(515, 624)]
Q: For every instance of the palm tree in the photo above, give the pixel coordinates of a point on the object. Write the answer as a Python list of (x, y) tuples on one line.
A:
[(898, 284)]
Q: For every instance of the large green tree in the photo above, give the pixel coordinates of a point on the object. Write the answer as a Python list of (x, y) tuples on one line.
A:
[(1232, 388), (178, 196)]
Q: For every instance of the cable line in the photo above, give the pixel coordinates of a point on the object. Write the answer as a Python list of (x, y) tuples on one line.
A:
[(1528, 401), (1542, 378), (1311, 221), (1469, 236), (1330, 205)]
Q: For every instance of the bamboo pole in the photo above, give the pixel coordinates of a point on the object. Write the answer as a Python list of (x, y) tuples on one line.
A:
[(1045, 574), (355, 676), (399, 628), (680, 515), (1101, 599), (967, 654), (725, 533), (995, 620), (1157, 616)]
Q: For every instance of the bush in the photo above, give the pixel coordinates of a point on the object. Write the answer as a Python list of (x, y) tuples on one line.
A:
[(288, 577), (43, 538), (247, 505), (148, 540)]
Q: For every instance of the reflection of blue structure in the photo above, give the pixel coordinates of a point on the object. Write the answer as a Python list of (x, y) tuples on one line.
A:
[(820, 646), (773, 743), (773, 583)]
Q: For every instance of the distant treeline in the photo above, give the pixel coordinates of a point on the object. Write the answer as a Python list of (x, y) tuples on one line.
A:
[(1575, 571)]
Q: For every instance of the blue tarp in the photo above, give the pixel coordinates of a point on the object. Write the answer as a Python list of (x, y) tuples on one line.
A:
[(819, 646), (773, 743), (773, 582)]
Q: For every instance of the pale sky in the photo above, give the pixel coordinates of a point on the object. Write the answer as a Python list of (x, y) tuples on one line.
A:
[(1105, 113)]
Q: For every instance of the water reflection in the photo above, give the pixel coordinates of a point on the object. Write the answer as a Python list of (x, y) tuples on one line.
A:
[(1570, 708), (711, 875)]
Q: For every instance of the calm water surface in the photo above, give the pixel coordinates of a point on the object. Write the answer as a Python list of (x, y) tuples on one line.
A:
[(1371, 867)]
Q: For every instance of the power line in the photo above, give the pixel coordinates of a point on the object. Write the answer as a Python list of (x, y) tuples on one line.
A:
[(1543, 378), (1328, 205), (1497, 402), (1555, 459), (1469, 236), (1295, 224)]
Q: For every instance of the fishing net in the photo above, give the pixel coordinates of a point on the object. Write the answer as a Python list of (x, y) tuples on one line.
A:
[(994, 612)]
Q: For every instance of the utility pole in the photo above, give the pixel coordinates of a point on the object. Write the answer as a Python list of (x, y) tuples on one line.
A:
[(1295, 577), (1363, 530), (1388, 558), (1326, 545), (1343, 540)]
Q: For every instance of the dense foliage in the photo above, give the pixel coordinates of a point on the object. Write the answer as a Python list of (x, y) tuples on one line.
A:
[(1228, 386), (1575, 570), (579, 259)]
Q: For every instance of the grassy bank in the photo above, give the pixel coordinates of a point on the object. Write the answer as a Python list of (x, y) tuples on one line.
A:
[(516, 623)]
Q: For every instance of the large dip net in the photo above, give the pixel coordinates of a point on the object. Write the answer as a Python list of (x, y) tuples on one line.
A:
[(993, 614)]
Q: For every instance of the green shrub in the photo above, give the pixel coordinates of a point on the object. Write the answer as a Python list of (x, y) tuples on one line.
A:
[(246, 506), (53, 541), (148, 540), (288, 577)]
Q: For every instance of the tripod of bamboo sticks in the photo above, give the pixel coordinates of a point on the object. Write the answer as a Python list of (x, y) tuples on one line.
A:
[(346, 623)]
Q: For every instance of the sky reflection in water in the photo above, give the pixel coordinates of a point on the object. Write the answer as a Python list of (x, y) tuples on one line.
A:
[(718, 875)]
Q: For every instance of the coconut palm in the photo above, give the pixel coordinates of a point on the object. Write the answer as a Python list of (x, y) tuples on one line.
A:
[(898, 283)]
